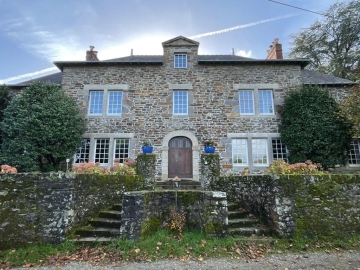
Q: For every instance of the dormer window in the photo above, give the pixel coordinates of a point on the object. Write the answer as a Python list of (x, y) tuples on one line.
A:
[(180, 61)]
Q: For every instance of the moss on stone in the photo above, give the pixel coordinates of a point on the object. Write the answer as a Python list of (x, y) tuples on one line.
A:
[(149, 226)]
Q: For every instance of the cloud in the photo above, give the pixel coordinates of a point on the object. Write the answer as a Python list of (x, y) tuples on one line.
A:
[(243, 53), (29, 75), (240, 26)]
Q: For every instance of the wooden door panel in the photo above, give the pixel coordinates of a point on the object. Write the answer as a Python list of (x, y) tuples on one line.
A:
[(180, 158)]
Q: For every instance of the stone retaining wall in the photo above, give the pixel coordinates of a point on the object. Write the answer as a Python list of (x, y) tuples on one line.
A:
[(144, 212), (299, 205), (42, 208)]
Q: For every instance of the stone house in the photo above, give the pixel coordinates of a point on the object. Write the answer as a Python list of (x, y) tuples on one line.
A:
[(180, 99)]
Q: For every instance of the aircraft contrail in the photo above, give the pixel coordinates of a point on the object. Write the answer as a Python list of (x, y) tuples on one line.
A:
[(240, 26), (29, 75)]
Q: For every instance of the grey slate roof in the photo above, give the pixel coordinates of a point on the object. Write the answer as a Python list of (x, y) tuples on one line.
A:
[(309, 76), (52, 78), (203, 59), (315, 77)]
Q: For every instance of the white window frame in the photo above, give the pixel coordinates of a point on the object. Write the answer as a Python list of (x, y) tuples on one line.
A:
[(352, 153), (112, 137), (258, 88), (91, 100), (248, 102), (107, 154), (179, 63), (251, 152), (176, 103), (237, 145), (254, 156), (83, 152), (127, 150), (118, 104), (106, 89), (279, 146)]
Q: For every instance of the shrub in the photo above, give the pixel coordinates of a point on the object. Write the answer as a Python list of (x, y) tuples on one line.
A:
[(281, 167), (126, 168), (8, 169)]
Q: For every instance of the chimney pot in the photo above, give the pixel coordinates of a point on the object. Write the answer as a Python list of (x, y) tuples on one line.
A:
[(91, 55), (275, 51)]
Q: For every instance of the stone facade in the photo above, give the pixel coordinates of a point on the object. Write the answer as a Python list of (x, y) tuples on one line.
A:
[(212, 88)]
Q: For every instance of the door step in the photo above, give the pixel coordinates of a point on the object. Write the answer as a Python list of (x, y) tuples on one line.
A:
[(184, 184)]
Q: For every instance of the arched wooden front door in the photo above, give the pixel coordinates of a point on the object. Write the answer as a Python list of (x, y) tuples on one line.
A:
[(180, 158)]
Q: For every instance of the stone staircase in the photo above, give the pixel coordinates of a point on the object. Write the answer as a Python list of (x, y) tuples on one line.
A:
[(243, 223), (104, 228)]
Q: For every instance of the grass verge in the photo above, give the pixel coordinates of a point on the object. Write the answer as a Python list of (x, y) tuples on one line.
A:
[(164, 245)]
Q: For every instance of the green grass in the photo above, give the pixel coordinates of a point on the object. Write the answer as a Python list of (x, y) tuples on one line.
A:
[(163, 245)]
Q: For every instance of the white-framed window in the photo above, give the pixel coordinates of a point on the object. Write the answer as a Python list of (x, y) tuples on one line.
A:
[(279, 150), (83, 153), (180, 61), (246, 98), (121, 149), (251, 152), (96, 102), (266, 103), (114, 102), (256, 102), (102, 148), (111, 99), (180, 102), (354, 153), (259, 152), (240, 152)]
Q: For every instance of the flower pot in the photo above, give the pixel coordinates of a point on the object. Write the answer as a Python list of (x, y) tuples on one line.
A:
[(147, 149), (209, 149)]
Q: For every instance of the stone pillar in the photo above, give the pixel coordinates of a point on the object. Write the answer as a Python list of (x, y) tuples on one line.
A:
[(146, 166), (210, 170)]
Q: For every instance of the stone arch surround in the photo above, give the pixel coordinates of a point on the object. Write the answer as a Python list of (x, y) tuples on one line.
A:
[(165, 152)]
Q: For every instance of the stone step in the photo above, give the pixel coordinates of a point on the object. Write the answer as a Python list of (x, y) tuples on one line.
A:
[(249, 231), (117, 207), (242, 222), (90, 240), (238, 214), (232, 206), (112, 214), (105, 223), (97, 232)]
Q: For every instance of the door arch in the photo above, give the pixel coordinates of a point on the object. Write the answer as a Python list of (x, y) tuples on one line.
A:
[(180, 158)]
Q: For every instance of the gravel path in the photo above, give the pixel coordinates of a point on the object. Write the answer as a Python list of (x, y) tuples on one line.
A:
[(308, 261)]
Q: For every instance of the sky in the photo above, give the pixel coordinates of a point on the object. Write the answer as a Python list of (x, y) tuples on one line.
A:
[(34, 33)]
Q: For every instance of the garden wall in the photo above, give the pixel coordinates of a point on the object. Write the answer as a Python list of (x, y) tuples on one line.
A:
[(144, 212), (299, 205), (37, 208)]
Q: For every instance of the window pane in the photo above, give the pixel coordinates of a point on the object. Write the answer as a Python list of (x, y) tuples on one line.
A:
[(239, 152), (115, 102), (266, 105), (121, 149), (102, 151), (180, 102), (354, 154), (279, 150), (83, 152), (259, 152), (96, 102), (180, 60), (246, 99)]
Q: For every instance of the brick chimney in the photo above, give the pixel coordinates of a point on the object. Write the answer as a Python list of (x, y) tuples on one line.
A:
[(91, 55), (275, 51)]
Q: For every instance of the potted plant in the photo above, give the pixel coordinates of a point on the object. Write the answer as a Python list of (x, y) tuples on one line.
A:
[(209, 146), (147, 147)]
